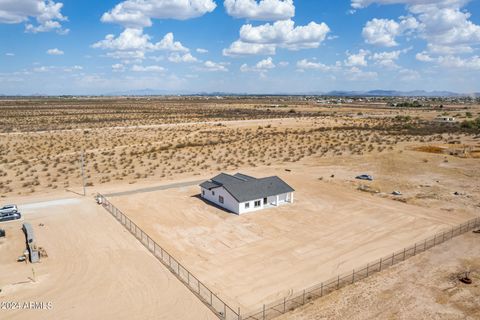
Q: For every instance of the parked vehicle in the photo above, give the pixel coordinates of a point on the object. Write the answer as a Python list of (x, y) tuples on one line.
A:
[(364, 177), (10, 216), (9, 208)]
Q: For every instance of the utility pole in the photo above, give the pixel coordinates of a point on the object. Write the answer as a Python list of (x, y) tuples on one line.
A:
[(82, 165)]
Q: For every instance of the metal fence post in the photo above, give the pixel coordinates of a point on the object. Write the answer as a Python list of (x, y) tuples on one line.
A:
[(284, 303), (381, 264), (338, 282), (263, 312), (353, 276), (404, 253), (368, 265), (415, 249), (321, 290)]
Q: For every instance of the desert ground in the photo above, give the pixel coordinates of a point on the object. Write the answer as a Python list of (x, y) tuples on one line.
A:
[(94, 269), (331, 228), (130, 142), (423, 287), (148, 154)]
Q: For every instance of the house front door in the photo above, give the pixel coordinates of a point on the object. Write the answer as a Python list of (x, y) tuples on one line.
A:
[(264, 201)]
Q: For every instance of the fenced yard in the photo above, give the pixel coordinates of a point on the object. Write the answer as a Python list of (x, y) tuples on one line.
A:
[(279, 307), (210, 299), (287, 304)]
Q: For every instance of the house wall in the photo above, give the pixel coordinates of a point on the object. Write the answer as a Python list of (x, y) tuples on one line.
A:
[(282, 198), (272, 200), (229, 202), (252, 206)]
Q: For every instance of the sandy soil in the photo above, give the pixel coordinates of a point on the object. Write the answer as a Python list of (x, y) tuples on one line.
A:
[(423, 287), (330, 229), (94, 269)]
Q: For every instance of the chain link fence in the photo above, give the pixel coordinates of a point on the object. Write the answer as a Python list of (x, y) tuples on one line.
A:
[(210, 299), (279, 307), (287, 304)]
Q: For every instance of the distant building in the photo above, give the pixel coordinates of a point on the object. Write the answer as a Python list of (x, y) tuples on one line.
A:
[(445, 119), (242, 194)]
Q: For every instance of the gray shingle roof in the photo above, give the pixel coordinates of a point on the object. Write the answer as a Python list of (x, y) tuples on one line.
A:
[(209, 185), (245, 188)]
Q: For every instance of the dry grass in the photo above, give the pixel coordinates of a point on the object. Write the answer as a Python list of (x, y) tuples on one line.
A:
[(130, 140)]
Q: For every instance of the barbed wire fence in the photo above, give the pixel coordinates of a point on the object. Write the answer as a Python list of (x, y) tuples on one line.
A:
[(272, 310)]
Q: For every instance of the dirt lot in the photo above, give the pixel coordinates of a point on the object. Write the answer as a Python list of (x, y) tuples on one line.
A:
[(423, 287), (330, 229), (94, 269)]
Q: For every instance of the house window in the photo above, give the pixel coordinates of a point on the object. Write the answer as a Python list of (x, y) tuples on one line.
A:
[(203, 192), (247, 205), (213, 193), (265, 201), (220, 199), (258, 203)]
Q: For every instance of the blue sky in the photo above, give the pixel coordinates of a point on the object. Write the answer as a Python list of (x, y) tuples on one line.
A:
[(240, 46)]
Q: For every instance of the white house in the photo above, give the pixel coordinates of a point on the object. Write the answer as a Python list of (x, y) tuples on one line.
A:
[(242, 194)]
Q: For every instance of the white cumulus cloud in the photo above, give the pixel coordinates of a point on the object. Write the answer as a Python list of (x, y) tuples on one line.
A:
[(239, 48), (178, 58), (134, 44), (388, 59), (424, 57), (443, 24), (261, 66), (55, 52), (215, 66), (267, 10), (47, 14), (451, 61), (139, 13), (383, 32), (312, 65), (264, 39), (357, 59), (153, 68)]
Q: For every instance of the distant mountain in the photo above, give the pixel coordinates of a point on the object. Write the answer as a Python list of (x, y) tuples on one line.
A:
[(338, 93), (394, 93), (147, 92)]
